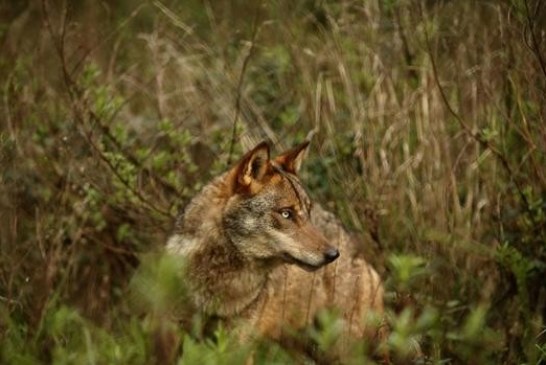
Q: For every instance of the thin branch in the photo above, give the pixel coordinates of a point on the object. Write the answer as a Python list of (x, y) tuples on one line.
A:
[(246, 61), (58, 43), (107, 37), (75, 93), (535, 46), (485, 143), (115, 171)]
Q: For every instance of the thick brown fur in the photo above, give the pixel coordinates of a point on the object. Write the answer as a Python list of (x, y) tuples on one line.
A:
[(264, 260)]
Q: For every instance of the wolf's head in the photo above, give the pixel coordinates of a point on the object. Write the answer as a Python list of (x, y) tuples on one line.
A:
[(268, 213)]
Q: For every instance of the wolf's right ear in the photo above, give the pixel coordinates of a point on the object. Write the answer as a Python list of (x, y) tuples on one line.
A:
[(253, 166), (291, 160)]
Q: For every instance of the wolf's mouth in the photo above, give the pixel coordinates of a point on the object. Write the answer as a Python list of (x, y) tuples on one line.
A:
[(304, 265)]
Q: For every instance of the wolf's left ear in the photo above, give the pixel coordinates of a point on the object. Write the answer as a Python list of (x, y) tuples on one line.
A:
[(291, 160), (254, 165)]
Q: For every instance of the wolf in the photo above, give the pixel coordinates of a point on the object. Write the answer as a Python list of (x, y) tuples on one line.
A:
[(262, 258)]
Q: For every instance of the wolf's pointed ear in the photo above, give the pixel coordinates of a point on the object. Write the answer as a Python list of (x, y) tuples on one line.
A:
[(291, 160), (253, 166)]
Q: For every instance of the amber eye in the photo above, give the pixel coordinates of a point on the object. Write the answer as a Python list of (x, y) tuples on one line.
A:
[(286, 214)]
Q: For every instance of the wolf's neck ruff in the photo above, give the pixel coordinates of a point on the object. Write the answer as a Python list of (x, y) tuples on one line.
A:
[(210, 255), (241, 284)]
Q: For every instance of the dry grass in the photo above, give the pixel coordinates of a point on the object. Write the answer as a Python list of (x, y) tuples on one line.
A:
[(430, 145)]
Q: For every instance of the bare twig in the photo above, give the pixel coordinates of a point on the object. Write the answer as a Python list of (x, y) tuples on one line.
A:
[(535, 47), (122, 179), (107, 37), (255, 29), (58, 43)]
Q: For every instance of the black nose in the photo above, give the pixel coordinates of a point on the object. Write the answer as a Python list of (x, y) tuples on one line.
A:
[(331, 254)]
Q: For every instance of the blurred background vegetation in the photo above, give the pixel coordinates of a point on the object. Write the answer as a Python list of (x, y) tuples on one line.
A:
[(430, 146)]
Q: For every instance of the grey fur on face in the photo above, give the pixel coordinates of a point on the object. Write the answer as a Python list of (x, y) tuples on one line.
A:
[(250, 216)]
